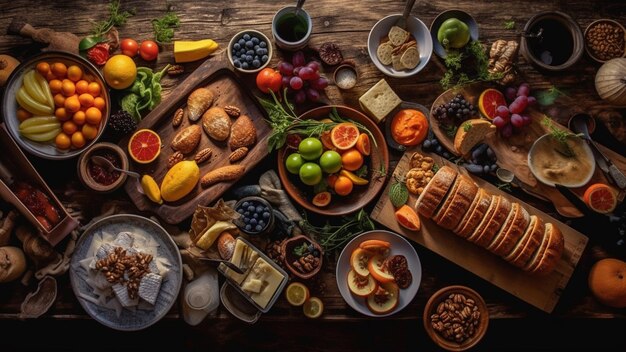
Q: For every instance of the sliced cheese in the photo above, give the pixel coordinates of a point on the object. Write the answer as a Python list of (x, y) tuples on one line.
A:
[(271, 278), (252, 285), (379, 101), (236, 259)]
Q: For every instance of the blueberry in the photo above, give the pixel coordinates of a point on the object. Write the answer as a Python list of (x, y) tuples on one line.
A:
[(265, 58), (246, 37), (245, 66), (256, 47), (264, 52), (258, 228), (265, 208), (247, 214), (240, 211), (241, 42), (237, 63), (311, 248), (316, 253), (255, 40), (255, 215), (266, 215), (249, 59), (259, 209), (249, 45), (262, 223), (245, 204), (242, 51), (249, 52), (263, 44), (251, 208), (237, 46), (248, 227), (246, 220), (253, 222)]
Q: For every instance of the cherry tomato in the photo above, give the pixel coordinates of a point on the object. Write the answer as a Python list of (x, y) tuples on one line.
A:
[(269, 79), (129, 47), (149, 50)]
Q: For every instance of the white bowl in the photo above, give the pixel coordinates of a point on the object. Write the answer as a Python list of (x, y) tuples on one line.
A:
[(415, 27), (261, 36), (580, 181)]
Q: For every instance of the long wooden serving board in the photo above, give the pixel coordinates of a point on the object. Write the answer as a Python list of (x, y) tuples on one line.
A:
[(217, 76), (512, 152), (542, 292)]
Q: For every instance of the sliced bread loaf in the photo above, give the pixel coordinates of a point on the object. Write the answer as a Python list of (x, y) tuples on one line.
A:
[(553, 251), (457, 204), (495, 223), (519, 246), (495, 202), (534, 240), (435, 191), (470, 133), (476, 215), (511, 232)]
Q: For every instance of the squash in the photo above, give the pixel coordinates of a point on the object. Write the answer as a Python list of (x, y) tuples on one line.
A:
[(7, 65), (611, 81)]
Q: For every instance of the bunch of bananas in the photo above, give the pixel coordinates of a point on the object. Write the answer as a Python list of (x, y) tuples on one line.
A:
[(35, 97)]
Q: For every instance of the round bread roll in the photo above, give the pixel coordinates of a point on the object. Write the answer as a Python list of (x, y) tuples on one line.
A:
[(216, 123), (226, 245)]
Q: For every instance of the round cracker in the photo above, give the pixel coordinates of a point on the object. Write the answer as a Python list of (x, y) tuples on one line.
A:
[(410, 58), (384, 53)]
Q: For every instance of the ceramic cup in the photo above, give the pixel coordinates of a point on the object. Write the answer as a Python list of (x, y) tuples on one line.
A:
[(278, 31)]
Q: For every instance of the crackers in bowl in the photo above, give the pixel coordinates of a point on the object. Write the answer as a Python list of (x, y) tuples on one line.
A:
[(399, 49)]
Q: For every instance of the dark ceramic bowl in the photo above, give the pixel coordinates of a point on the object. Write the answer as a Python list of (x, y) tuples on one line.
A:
[(461, 15)]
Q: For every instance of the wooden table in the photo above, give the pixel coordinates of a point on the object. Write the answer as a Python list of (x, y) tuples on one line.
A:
[(578, 320)]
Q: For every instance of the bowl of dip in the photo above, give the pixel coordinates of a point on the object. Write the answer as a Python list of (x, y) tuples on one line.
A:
[(570, 162), (98, 178)]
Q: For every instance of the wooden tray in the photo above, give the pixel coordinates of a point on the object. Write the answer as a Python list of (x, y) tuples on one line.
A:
[(512, 153), (542, 292), (216, 75)]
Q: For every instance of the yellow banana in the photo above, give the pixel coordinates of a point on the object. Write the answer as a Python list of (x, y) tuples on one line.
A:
[(40, 128), (186, 51), (45, 87), (151, 189), (39, 120), (207, 238)]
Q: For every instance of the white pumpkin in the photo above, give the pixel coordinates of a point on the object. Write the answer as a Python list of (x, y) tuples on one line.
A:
[(12, 263), (611, 81)]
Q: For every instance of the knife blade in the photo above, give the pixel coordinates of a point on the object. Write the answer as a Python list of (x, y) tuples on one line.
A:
[(607, 165), (573, 198)]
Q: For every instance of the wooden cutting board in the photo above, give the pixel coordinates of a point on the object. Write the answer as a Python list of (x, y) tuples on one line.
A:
[(512, 153), (216, 75), (542, 292)]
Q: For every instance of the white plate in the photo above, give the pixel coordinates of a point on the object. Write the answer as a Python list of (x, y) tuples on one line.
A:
[(419, 31), (400, 246)]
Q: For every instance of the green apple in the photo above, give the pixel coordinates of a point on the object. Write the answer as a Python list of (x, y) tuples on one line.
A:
[(310, 174), (310, 148), (330, 162)]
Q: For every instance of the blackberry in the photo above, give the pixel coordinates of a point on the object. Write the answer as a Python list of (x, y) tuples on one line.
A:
[(121, 123)]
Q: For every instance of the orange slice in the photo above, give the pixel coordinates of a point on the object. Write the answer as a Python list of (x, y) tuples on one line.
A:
[(600, 198), (144, 146), (344, 136), (363, 144), (489, 101)]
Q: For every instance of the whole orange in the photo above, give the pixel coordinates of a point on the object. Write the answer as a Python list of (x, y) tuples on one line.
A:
[(343, 186), (352, 159), (607, 282)]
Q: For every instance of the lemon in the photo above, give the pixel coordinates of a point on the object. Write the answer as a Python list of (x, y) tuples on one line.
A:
[(296, 294), (120, 71), (180, 180), (151, 189), (313, 308)]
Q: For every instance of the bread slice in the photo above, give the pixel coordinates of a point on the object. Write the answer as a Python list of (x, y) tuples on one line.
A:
[(396, 63), (474, 216), (519, 246), (511, 232), (384, 53), (553, 252), (470, 133), (534, 240), (450, 216), (435, 191), (515, 208), (495, 223), (397, 35), (539, 251), (495, 201), (410, 58), (448, 198)]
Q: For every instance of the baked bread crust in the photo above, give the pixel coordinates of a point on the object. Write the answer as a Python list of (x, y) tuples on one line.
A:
[(458, 203), (216, 123), (243, 133), (513, 233), (495, 223), (495, 201), (468, 224), (435, 191), (534, 240), (552, 253)]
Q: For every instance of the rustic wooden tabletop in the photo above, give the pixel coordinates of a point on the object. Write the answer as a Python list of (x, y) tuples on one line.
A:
[(578, 321)]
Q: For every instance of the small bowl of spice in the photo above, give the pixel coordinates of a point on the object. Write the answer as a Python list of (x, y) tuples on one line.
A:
[(99, 178), (345, 76), (605, 40), (303, 256), (456, 318)]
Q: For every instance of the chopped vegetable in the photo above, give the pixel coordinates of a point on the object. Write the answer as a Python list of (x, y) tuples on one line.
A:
[(458, 73)]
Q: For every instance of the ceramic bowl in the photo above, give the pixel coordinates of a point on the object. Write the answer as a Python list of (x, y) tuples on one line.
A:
[(461, 15), (431, 309), (84, 164), (289, 45), (268, 222), (290, 245), (360, 195), (259, 35), (416, 27), (590, 51), (48, 150)]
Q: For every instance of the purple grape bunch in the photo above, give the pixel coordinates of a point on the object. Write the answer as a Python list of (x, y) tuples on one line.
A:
[(302, 79), (511, 119)]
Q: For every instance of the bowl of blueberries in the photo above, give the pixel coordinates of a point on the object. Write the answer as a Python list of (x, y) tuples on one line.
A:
[(249, 51), (256, 217)]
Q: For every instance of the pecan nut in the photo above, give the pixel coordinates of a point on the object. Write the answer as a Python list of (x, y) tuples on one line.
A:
[(203, 155), (175, 159), (178, 117), (238, 154), (175, 70), (232, 111)]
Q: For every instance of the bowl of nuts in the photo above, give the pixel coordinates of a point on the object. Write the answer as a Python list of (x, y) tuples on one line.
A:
[(456, 318), (605, 40), (303, 256)]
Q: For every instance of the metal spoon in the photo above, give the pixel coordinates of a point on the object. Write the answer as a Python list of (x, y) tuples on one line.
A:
[(407, 11), (507, 176), (299, 6), (104, 162)]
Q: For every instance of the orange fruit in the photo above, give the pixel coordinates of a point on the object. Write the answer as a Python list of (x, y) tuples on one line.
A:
[(344, 135), (62, 141), (78, 140), (407, 217), (359, 260), (361, 286), (58, 69), (313, 307), (600, 198), (144, 146), (89, 131), (59, 100), (43, 68), (86, 100), (363, 144), (99, 103), (352, 160), (82, 87), (120, 71), (74, 73), (93, 115), (50, 76), (79, 118), (489, 101), (327, 141), (72, 104), (61, 114), (94, 89), (343, 186), (321, 199), (375, 245), (22, 114), (297, 293), (607, 282), (55, 86), (69, 127), (378, 269), (68, 88)]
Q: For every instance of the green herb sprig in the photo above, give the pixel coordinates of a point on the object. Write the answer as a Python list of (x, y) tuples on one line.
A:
[(116, 18), (509, 24), (561, 137), (456, 76), (164, 27), (332, 237), (301, 250)]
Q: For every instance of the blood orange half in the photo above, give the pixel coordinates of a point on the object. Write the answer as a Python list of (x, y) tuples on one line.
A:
[(144, 146), (489, 101), (345, 135), (600, 198)]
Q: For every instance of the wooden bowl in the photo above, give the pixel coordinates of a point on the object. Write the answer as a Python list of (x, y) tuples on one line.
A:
[(590, 51), (83, 167), (288, 247), (431, 309), (361, 195)]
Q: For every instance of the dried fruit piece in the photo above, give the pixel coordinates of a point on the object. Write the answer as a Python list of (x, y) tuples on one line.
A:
[(238, 154), (330, 54), (203, 155), (321, 199)]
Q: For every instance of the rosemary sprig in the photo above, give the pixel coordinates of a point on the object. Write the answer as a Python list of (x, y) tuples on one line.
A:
[(115, 19), (561, 137), (331, 237)]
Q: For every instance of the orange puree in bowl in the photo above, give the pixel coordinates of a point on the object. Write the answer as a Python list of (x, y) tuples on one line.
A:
[(409, 127)]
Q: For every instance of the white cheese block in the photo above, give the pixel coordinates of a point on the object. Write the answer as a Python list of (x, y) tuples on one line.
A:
[(271, 279), (121, 292), (379, 101), (252, 285), (236, 259)]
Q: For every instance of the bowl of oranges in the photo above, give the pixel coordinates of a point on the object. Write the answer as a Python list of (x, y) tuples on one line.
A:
[(56, 105)]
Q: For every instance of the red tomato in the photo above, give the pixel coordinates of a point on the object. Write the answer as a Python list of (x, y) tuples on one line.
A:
[(129, 47), (269, 79), (149, 50)]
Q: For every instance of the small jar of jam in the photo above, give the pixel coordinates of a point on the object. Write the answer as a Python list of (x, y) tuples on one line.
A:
[(100, 178)]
